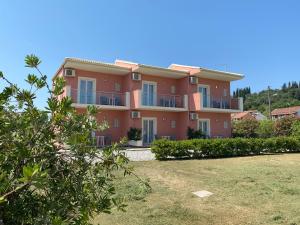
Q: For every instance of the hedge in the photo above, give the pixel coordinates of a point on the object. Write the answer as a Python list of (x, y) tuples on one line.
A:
[(218, 148)]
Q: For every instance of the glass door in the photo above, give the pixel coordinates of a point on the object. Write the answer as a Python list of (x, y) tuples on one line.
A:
[(204, 127), (204, 90), (148, 131), (86, 94), (149, 94)]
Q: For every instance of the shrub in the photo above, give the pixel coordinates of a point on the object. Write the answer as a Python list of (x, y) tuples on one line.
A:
[(245, 128), (193, 134), (50, 172), (265, 129), (283, 126), (296, 129), (134, 134), (228, 147)]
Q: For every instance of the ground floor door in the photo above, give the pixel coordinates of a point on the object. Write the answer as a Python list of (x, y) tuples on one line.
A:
[(149, 130)]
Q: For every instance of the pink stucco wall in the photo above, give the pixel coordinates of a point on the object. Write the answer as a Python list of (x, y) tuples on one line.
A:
[(106, 83)]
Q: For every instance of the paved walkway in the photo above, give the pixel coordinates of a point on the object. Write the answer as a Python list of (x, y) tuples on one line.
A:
[(139, 154)]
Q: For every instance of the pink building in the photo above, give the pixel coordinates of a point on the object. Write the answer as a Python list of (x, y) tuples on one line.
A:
[(162, 102)]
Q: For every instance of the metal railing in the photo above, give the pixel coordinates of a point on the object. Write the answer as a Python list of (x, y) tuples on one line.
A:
[(220, 102), (98, 98), (173, 101)]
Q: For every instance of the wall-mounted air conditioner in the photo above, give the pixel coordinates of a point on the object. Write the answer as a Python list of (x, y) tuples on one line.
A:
[(193, 116), (135, 115), (136, 76), (69, 72), (193, 80)]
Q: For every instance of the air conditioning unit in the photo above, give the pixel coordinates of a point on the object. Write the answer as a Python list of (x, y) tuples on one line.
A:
[(69, 73), (135, 114), (193, 80), (136, 76), (193, 116)]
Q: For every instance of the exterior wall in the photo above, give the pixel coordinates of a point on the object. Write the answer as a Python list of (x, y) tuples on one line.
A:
[(106, 83)]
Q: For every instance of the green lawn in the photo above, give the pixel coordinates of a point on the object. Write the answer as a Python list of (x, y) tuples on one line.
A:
[(249, 190)]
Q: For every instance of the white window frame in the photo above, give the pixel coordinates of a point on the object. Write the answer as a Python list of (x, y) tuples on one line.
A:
[(154, 125), (208, 93), (117, 87), (155, 91), (116, 123), (94, 87), (208, 124), (173, 124), (227, 124)]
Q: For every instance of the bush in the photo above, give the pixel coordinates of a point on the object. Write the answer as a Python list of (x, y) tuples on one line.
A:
[(283, 127), (134, 134), (296, 129), (194, 134), (265, 129), (245, 128), (219, 148)]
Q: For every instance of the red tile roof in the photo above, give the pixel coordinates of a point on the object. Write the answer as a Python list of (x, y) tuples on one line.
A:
[(285, 111), (241, 115)]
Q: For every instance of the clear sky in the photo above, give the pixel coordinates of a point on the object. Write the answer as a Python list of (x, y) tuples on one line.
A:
[(258, 38)]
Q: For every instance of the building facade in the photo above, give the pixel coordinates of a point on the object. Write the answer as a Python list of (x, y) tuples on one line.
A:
[(162, 102), (293, 111)]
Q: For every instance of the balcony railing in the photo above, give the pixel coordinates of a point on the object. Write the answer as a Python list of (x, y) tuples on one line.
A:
[(98, 98), (173, 101), (220, 102)]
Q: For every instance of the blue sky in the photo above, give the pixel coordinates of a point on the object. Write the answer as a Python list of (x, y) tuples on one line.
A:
[(257, 38)]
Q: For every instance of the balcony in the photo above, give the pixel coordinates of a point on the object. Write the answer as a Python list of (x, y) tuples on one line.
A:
[(105, 100), (160, 102), (211, 103)]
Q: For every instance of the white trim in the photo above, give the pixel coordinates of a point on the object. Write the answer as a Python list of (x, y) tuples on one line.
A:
[(94, 87), (154, 91), (102, 107), (208, 123), (208, 95), (154, 126)]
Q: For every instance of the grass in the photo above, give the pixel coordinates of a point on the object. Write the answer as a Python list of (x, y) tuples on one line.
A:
[(248, 190)]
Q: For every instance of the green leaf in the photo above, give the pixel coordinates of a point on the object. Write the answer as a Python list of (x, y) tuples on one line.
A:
[(27, 171), (32, 61), (1, 74)]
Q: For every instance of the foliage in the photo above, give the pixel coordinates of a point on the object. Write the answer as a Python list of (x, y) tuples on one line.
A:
[(228, 147), (245, 128), (288, 95), (242, 92), (265, 129), (283, 126), (134, 134), (193, 134), (296, 129), (50, 173)]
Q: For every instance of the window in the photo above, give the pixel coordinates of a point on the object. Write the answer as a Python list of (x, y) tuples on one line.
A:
[(226, 124), (225, 93), (173, 124), (86, 91), (204, 126), (117, 87), (205, 95), (173, 89), (116, 123), (149, 93)]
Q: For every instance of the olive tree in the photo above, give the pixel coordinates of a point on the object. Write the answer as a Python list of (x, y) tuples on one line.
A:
[(50, 171)]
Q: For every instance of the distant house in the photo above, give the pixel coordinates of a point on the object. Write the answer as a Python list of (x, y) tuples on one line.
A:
[(284, 112), (251, 114)]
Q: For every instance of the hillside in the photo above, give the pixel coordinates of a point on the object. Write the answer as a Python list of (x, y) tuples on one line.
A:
[(287, 95)]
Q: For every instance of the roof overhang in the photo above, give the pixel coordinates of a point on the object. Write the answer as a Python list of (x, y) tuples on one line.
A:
[(158, 71), (217, 75), (93, 66), (208, 73)]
